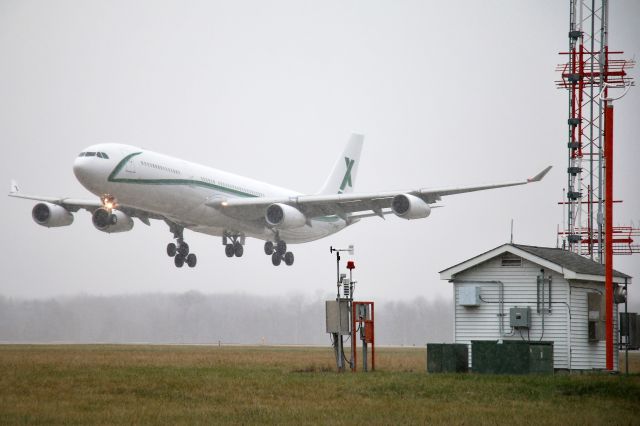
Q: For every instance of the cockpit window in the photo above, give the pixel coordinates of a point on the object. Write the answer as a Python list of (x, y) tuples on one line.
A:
[(94, 154)]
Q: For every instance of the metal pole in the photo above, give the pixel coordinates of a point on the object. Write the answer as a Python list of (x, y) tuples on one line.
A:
[(373, 341), (338, 274), (338, 342), (352, 322), (336, 351), (364, 349), (626, 346), (354, 352), (608, 141), (591, 138)]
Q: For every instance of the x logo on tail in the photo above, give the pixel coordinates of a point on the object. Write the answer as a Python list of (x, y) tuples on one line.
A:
[(346, 180)]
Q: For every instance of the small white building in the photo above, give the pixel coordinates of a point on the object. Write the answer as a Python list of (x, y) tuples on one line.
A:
[(502, 295)]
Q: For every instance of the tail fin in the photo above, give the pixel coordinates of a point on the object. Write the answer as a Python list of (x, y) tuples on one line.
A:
[(343, 177)]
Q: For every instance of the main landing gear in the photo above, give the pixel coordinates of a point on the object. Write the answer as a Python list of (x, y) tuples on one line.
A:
[(233, 245), (278, 252), (180, 251)]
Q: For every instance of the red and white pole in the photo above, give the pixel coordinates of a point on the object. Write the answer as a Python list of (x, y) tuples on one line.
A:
[(608, 229)]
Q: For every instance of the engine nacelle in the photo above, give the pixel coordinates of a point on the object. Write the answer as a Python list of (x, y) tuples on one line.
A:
[(409, 206), (111, 221), (51, 215), (284, 217)]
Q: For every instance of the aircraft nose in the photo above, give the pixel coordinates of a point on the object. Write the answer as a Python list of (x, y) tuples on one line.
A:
[(80, 169)]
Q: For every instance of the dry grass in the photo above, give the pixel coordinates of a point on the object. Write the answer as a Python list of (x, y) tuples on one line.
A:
[(202, 385), (634, 362)]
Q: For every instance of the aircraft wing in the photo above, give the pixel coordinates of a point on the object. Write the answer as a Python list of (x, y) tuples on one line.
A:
[(75, 204), (352, 205), (71, 204)]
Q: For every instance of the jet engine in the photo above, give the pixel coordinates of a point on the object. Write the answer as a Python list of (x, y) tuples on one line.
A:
[(284, 217), (111, 221), (51, 215), (409, 206)]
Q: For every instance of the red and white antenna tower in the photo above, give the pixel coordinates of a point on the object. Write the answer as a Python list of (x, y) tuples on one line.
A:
[(591, 72)]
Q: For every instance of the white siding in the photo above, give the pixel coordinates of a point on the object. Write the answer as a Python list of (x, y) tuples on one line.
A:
[(587, 355), (482, 323)]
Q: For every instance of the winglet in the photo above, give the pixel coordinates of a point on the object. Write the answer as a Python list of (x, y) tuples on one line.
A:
[(539, 176), (14, 187)]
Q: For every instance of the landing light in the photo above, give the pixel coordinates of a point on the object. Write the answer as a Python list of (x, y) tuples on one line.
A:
[(109, 202)]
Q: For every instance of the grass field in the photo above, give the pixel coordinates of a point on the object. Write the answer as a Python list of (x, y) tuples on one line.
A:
[(100, 384)]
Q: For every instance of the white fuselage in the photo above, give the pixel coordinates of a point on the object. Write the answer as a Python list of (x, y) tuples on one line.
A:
[(178, 190)]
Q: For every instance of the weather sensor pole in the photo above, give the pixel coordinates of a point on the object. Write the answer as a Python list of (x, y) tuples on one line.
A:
[(338, 311)]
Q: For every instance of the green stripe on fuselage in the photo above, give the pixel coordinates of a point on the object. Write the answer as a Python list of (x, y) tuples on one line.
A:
[(192, 182), (121, 164)]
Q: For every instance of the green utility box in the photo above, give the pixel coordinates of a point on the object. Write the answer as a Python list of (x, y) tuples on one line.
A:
[(484, 356), (511, 357), (447, 358), (541, 357), (514, 355)]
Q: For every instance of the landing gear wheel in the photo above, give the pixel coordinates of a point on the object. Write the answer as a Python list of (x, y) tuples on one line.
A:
[(192, 260), (268, 248), (178, 260), (276, 259), (229, 250), (183, 249), (238, 250), (171, 249), (288, 258), (281, 248)]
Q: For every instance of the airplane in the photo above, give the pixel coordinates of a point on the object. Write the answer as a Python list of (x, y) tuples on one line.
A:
[(132, 182)]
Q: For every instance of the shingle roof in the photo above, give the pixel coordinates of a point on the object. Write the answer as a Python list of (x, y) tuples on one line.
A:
[(569, 260)]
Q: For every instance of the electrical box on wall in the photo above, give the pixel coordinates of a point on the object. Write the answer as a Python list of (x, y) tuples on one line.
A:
[(520, 317), (469, 296)]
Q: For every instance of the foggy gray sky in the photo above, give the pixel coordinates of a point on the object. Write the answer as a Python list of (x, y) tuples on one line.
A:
[(445, 92)]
